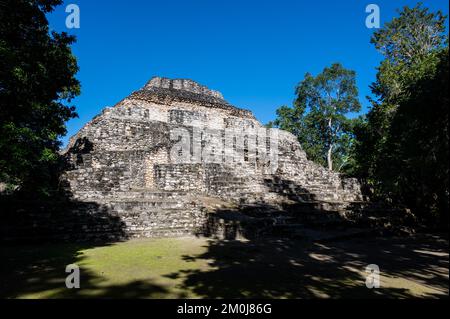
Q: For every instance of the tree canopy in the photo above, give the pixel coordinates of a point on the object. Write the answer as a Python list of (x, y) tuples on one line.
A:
[(319, 115), (37, 83)]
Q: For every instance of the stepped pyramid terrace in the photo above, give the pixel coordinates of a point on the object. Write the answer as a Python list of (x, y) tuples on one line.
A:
[(163, 156)]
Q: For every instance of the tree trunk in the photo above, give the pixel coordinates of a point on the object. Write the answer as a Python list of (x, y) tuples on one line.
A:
[(330, 149), (329, 159)]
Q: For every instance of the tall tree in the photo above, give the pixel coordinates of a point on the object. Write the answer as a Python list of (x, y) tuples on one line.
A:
[(401, 142), (416, 150), (408, 44), (319, 116), (37, 81), (405, 41)]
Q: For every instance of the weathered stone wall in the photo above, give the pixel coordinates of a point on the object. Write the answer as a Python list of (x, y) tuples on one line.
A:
[(111, 218), (127, 160)]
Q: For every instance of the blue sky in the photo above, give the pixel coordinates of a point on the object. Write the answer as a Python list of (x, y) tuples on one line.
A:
[(254, 52)]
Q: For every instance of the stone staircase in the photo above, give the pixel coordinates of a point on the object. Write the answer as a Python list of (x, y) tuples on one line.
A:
[(224, 181), (262, 205), (320, 189), (150, 213), (316, 211), (250, 221)]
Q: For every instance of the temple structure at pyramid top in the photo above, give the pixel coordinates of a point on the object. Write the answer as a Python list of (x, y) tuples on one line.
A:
[(157, 83), (166, 91)]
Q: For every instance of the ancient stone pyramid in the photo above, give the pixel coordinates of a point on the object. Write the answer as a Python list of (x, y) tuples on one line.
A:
[(156, 157)]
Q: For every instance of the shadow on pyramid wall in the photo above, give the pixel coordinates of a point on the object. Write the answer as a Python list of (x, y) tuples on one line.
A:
[(60, 217)]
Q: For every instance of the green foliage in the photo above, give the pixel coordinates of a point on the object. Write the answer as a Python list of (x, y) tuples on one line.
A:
[(416, 147), (402, 142), (319, 116), (414, 34), (37, 81)]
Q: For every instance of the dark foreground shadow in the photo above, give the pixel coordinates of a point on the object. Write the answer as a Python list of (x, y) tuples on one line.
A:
[(277, 268), (261, 268), (284, 257)]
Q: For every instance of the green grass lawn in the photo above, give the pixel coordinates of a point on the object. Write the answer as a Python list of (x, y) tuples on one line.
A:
[(201, 268)]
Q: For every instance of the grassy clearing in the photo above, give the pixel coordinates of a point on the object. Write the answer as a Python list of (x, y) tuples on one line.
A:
[(134, 268), (199, 268)]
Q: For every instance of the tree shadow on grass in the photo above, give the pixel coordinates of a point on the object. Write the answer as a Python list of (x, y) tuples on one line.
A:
[(281, 268), (38, 271), (266, 266), (259, 268), (39, 239)]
